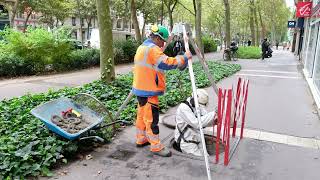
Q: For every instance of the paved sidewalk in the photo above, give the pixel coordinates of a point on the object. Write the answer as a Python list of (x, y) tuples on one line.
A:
[(36, 84), (280, 110)]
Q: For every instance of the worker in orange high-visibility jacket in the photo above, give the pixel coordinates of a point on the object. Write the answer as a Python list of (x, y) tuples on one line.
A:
[(148, 83)]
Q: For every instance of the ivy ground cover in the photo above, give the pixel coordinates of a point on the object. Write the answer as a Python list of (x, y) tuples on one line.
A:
[(28, 148)]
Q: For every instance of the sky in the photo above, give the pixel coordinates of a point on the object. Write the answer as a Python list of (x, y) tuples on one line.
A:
[(290, 3)]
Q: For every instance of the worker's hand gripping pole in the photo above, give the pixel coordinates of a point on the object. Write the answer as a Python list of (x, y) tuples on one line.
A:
[(194, 90)]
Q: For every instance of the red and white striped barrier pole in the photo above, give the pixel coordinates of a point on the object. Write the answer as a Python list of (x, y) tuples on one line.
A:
[(230, 109), (244, 105)]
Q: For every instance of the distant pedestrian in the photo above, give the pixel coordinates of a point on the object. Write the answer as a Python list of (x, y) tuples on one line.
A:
[(288, 46), (264, 47), (177, 46), (284, 45), (88, 44), (277, 45)]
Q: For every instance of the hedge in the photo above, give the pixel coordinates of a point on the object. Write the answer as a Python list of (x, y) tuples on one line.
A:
[(34, 51), (209, 44), (250, 52)]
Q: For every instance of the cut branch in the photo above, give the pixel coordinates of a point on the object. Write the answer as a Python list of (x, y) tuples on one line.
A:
[(187, 8)]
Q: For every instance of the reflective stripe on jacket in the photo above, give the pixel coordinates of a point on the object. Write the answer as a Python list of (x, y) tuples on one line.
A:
[(149, 65)]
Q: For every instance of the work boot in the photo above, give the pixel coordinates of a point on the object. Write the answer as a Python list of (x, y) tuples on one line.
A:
[(164, 152), (142, 145)]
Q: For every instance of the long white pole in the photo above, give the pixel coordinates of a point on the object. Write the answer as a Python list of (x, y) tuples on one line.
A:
[(194, 90)]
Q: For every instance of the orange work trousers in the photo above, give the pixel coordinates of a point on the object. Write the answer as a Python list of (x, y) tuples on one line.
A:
[(147, 122)]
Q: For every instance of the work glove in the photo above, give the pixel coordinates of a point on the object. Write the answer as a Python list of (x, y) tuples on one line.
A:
[(187, 55)]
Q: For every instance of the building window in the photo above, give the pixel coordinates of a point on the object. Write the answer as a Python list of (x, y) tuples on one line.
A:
[(82, 22), (113, 23), (73, 21), (20, 15), (84, 35), (3, 13), (312, 49), (119, 23), (74, 35), (125, 25), (316, 75)]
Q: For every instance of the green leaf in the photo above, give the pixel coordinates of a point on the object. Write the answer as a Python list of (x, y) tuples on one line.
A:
[(64, 160), (46, 172)]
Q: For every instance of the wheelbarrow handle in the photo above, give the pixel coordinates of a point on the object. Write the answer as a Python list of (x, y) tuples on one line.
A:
[(123, 105), (93, 137), (112, 123)]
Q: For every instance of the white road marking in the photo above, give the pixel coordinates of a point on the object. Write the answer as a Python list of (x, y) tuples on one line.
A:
[(281, 138), (264, 71), (273, 137), (276, 64), (269, 76)]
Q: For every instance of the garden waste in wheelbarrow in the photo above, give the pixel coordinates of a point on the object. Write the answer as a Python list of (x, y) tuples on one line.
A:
[(90, 111)]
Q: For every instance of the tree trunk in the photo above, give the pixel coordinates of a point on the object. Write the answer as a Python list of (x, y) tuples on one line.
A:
[(80, 17), (88, 26), (143, 29), (13, 14), (130, 25), (171, 4), (135, 21), (263, 28), (170, 18), (106, 50), (161, 12), (257, 26), (81, 33), (273, 24), (51, 23), (253, 36), (221, 35), (57, 22), (198, 26), (227, 20), (26, 21)]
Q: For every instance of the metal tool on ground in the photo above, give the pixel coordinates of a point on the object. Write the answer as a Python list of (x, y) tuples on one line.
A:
[(194, 90)]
